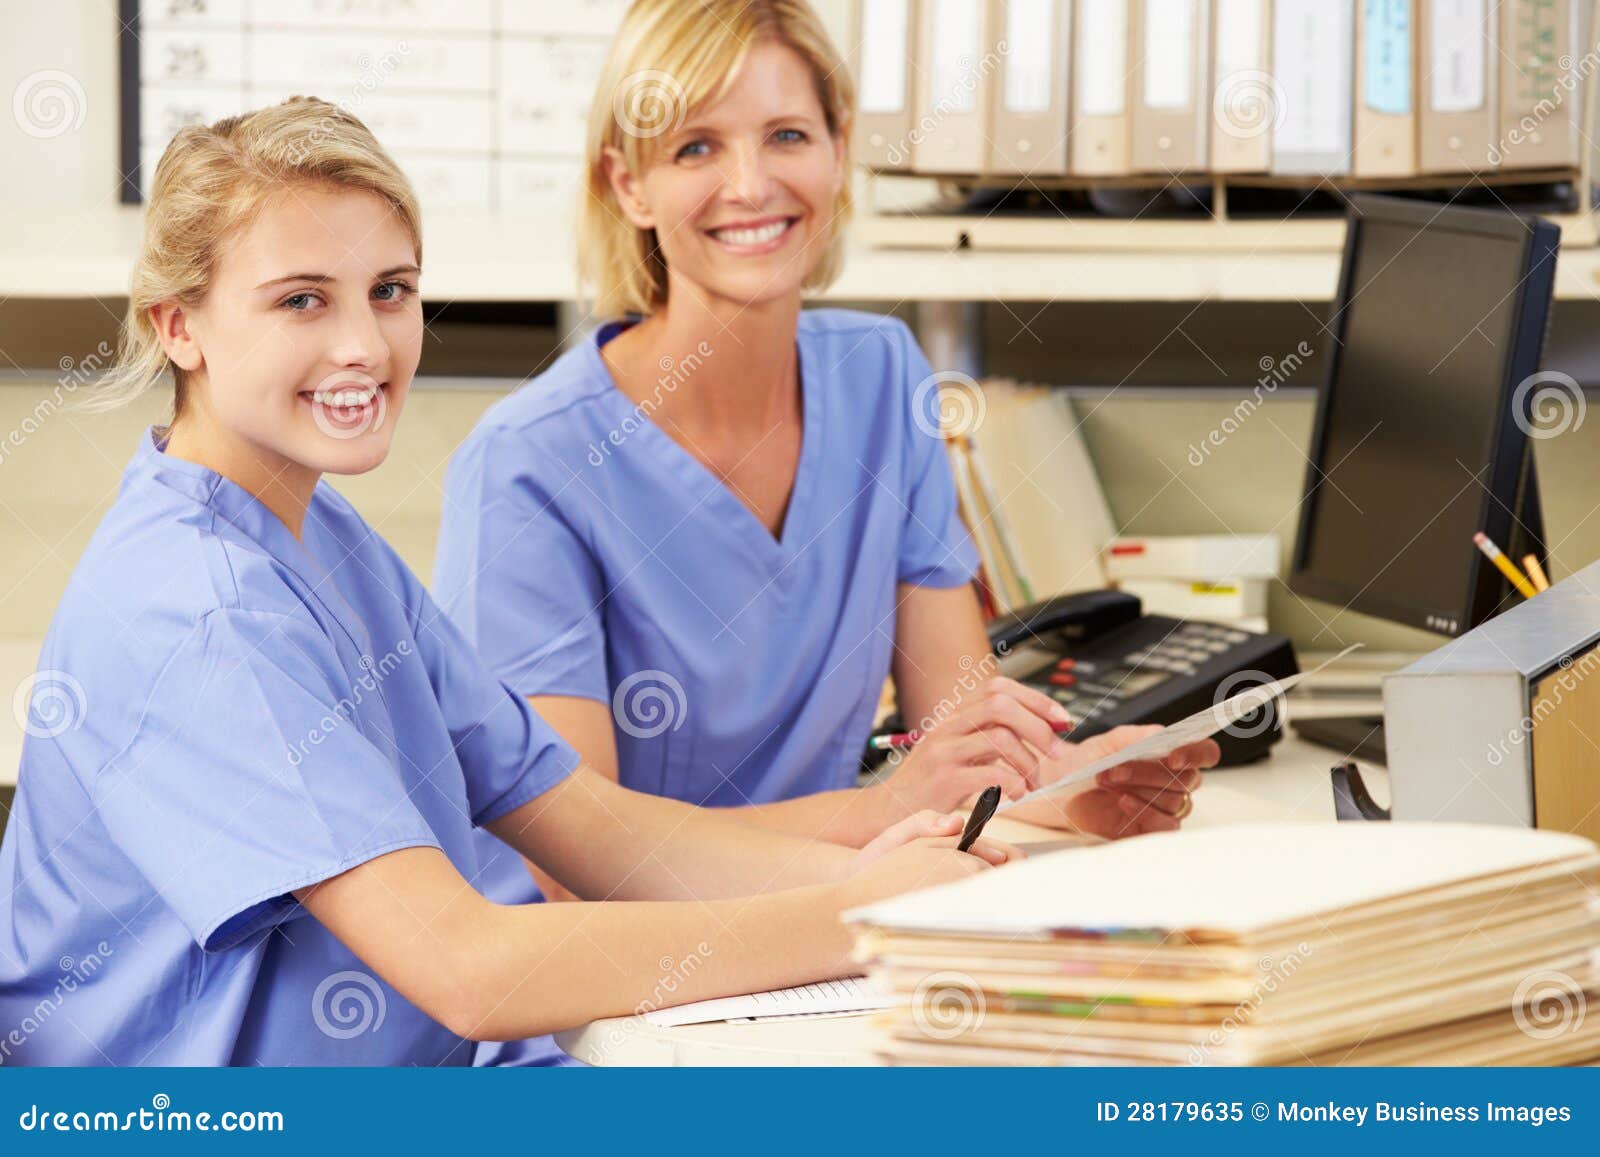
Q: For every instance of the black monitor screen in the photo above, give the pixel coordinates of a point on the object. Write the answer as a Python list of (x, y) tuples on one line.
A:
[(1411, 416)]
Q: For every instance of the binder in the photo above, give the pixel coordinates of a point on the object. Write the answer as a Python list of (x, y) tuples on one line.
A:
[(1313, 68), (1386, 120), (1459, 45), (1028, 133), (1245, 102), (957, 62), (1541, 90), (1100, 141), (886, 31), (1032, 440), (1170, 122)]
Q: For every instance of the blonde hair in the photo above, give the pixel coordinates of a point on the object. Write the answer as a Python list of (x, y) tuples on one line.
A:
[(213, 180), (670, 58)]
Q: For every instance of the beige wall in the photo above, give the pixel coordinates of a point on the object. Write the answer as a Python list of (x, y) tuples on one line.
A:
[(77, 167), (1252, 485), (57, 484)]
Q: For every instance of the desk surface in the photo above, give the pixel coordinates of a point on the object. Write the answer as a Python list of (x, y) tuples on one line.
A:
[(1291, 785)]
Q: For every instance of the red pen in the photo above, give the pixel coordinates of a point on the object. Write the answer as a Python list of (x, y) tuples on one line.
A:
[(903, 739)]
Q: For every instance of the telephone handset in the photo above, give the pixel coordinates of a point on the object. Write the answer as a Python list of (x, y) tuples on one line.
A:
[(1073, 618), (1109, 665)]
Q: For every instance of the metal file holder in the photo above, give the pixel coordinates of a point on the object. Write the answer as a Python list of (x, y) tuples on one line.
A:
[(1502, 725)]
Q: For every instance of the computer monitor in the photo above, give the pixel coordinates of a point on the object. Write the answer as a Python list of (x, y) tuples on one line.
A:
[(1421, 435)]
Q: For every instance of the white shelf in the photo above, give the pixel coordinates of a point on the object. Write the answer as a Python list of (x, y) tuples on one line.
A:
[(74, 254)]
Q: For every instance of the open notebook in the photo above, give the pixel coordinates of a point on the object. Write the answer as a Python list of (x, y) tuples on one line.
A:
[(848, 996)]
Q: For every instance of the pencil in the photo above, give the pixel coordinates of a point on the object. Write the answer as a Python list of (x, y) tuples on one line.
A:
[(903, 739), (1506, 567), (1530, 563)]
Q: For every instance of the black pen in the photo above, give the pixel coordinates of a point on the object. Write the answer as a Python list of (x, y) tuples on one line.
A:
[(981, 813)]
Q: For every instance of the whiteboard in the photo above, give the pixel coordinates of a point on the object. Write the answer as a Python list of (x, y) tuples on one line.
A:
[(482, 102)]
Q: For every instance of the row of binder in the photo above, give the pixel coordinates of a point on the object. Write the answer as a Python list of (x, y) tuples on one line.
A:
[(1116, 88)]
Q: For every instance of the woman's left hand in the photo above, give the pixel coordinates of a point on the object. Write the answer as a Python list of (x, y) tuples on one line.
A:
[(1133, 799)]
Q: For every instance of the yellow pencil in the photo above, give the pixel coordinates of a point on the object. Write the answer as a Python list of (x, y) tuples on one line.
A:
[(1530, 563), (1505, 565)]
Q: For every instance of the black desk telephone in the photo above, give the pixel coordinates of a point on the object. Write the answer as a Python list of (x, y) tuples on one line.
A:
[(1110, 665)]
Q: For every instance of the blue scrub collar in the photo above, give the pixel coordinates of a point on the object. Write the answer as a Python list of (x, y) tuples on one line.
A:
[(250, 517)]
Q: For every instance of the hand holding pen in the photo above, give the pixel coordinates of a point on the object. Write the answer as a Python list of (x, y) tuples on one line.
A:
[(997, 737), (932, 831)]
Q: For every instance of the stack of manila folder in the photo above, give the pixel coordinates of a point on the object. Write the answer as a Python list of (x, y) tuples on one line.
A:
[(1256, 944)]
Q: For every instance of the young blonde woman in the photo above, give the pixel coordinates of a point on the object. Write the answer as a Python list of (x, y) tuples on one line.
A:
[(702, 538), (258, 812)]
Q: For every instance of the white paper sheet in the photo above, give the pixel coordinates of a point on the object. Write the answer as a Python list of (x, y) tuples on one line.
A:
[(1201, 725), (847, 996)]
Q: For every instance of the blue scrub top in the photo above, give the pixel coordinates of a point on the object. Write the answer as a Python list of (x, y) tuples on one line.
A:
[(222, 715), (588, 554)]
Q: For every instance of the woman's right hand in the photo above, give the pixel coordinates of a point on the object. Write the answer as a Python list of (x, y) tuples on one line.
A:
[(995, 737), (917, 865), (933, 829)]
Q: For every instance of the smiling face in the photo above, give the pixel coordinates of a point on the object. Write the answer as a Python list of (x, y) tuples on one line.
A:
[(742, 195), (300, 357)]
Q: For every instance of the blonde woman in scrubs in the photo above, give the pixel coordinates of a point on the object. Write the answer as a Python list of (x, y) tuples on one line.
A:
[(256, 795), (701, 539)]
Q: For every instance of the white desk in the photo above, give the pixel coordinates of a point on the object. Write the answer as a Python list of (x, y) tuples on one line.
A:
[(1292, 784)]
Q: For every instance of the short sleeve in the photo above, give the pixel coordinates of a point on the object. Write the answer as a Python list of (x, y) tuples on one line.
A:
[(508, 754), (516, 578), (217, 802), (935, 549)]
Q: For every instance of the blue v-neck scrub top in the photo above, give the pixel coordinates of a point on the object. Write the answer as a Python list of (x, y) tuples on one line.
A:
[(223, 714), (586, 553)]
